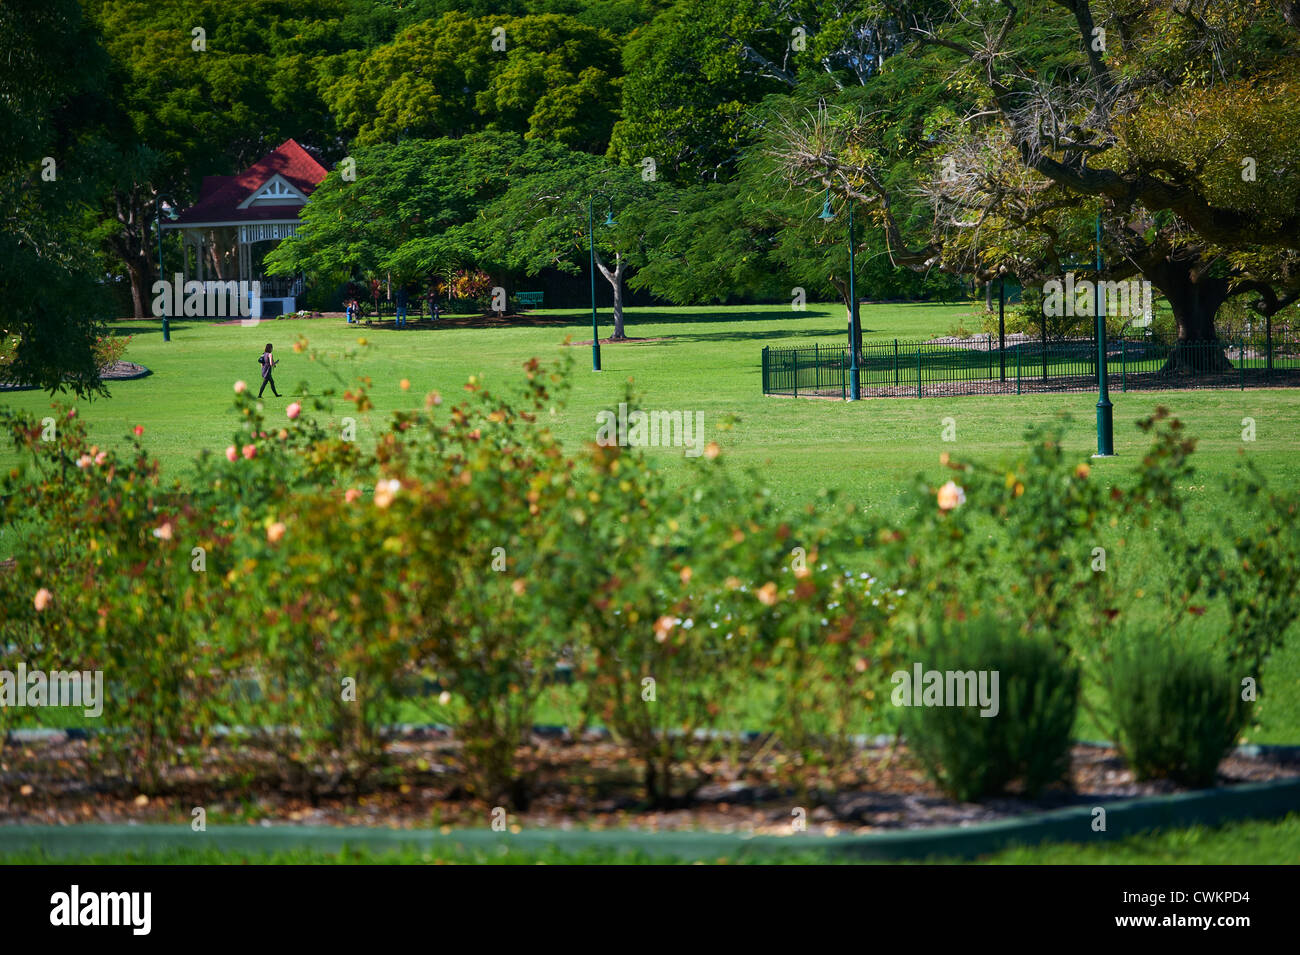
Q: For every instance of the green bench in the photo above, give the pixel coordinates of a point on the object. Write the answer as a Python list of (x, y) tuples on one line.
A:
[(531, 299)]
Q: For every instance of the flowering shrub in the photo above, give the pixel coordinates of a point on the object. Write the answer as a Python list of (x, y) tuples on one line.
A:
[(109, 350), (465, 548), (104, 580), (470, 284)]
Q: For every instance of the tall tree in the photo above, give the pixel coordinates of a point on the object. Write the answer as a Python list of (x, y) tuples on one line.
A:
[(1168, 121), (549, 219), (547, 77), (50, 166), (409, 211), (696, 70)]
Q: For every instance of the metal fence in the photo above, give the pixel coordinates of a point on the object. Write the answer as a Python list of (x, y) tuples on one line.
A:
[(977, 366)]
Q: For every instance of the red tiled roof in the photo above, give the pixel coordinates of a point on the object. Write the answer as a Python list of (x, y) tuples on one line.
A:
[(220, 196)]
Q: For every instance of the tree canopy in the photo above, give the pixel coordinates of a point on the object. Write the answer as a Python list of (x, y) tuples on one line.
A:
[(548, 77), (49, 175), (1166, 123), (971, 138)]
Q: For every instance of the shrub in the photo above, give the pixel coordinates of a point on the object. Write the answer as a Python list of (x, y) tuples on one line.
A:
[(823, 633), (1028, 739), (114, 558), (660, 639), (1177, 710), (494, 640), (109, 350)]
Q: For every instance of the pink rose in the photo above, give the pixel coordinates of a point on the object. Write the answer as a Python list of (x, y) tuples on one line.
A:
[(42, 599), (231, 453), (351, 495), (385, 491), (240, 387), (250, 451), (275, 532), (293, 410), (138, 429), (951, 496)]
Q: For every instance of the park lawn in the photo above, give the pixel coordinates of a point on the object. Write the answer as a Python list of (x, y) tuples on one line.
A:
[(703, 359), (706, 360), (1241, 843)]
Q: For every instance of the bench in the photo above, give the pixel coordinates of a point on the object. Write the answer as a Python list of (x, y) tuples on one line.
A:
[(531, 299)]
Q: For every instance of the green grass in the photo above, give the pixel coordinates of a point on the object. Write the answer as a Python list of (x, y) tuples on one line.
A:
[(708, 360), (1242, 843)]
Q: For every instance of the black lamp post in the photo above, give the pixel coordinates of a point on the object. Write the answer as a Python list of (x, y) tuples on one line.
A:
[(591, 231), (1105, 413), (171, 215)]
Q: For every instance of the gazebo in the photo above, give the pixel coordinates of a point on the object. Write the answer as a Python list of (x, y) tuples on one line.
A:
[(225, 233)]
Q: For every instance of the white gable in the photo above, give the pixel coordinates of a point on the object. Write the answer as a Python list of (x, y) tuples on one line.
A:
[(276, 191)]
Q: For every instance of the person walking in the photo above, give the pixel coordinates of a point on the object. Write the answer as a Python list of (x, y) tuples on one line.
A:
[(268, 363)]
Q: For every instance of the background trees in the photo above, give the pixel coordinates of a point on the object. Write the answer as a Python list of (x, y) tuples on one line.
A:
[(409, 212), (975, 139), (49, 175), (182, 106), (542, 221), (549, 77), (1060, 110)]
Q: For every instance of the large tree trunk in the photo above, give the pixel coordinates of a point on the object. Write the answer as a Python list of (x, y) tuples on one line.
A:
[(140, 275), (615, 279), (131, 245), (842, 287), (1195, 299)]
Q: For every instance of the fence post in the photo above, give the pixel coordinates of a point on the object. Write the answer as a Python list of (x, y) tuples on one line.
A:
[(817, 363), (918, 371), (1241, 361), (895, 362), (765, 348), (794, 353), (844, 377), (1044, 348), (1123, 364), (1268, 345), (1018, 369)]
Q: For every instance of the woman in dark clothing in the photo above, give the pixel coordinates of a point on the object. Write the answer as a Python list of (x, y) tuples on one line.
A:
[(267, 363)]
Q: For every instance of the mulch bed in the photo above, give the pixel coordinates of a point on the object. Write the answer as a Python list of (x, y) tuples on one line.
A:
[(588, 783), (118, 371)]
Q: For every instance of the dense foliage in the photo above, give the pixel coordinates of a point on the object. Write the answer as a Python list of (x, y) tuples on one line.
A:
[(307, 580)]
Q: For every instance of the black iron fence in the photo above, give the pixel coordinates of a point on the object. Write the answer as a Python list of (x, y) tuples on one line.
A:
[(977, 366)]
